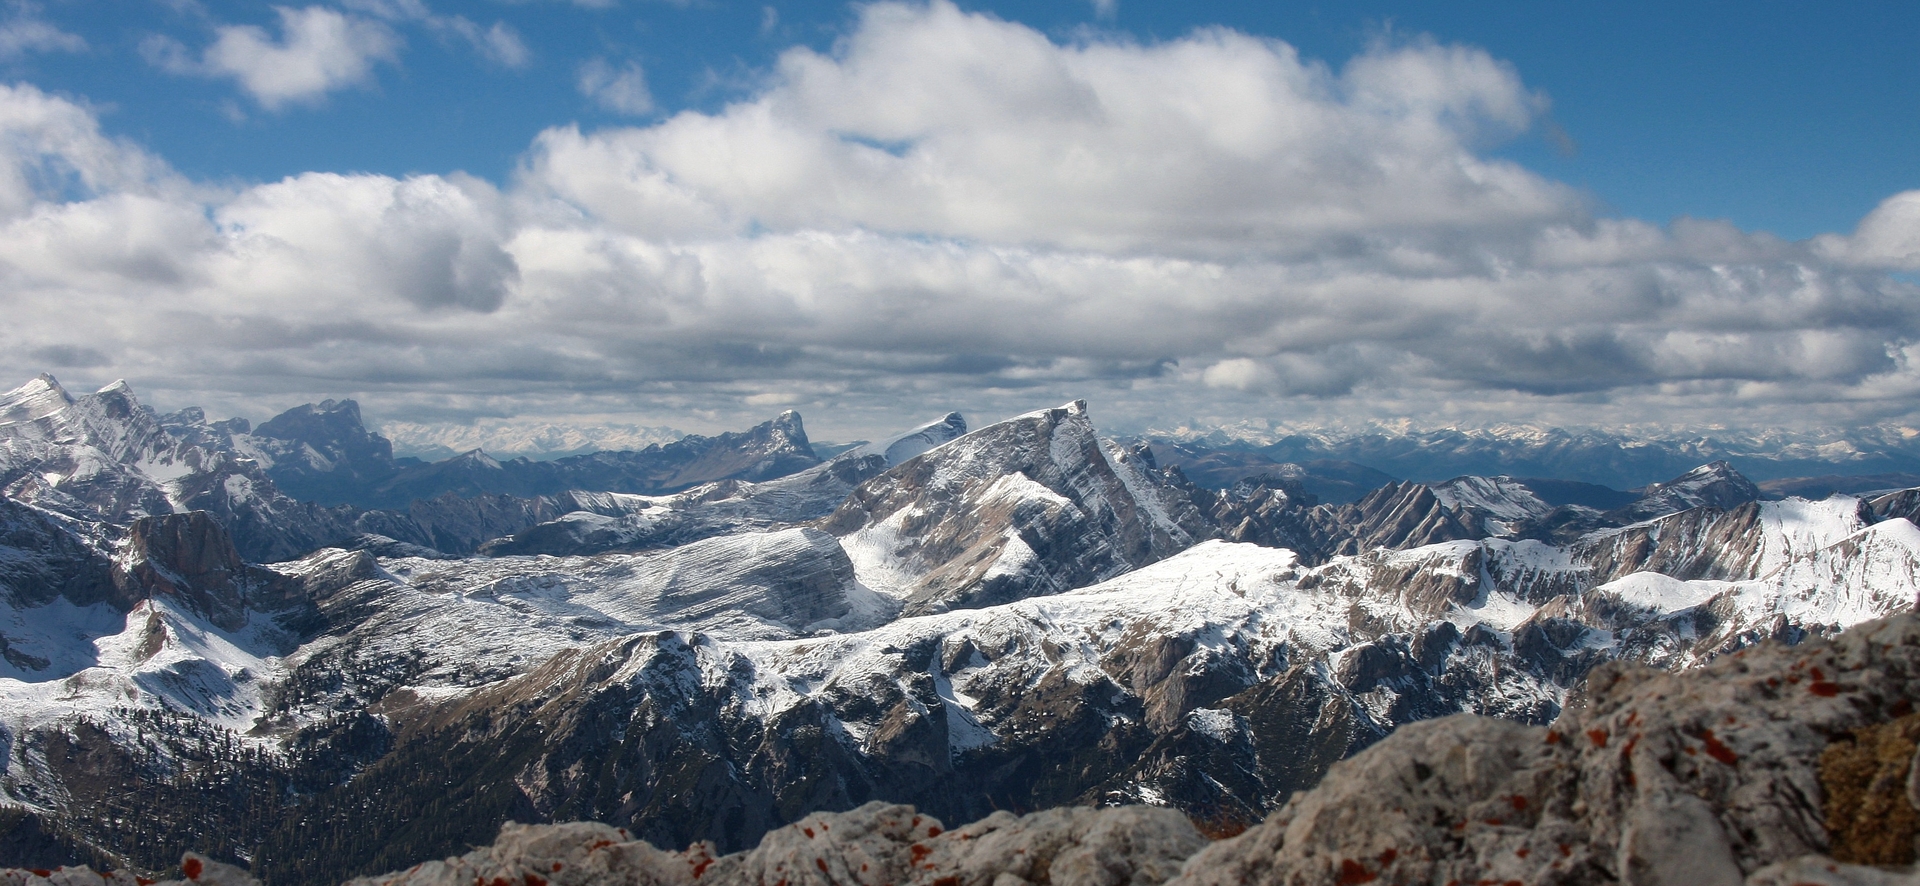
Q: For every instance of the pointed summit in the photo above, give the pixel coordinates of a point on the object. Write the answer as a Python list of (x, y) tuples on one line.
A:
[(38, 398), (901, 447), (1033, 505), (1715, 484)]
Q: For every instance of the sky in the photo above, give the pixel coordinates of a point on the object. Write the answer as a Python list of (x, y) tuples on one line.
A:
[(696, 214)]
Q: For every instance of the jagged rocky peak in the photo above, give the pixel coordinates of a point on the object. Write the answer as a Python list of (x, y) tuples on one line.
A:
[(111, 420), (1395, 516), (476, 458), (1715, 485), (1501, 501), (332, 427), (38, 398), (1036, 504), (603, 522), (772, 449), (911, 444)]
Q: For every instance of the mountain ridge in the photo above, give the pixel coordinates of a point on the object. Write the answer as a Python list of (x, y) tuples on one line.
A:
[(1022, 615)]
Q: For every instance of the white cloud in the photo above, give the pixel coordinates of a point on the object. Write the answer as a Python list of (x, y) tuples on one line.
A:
[(948, 210), (25, 33), (52, 150), (319, 50), (1889, 237), (498, 43), (622, 89), (348, 243), (933, 121), (1238, 373)]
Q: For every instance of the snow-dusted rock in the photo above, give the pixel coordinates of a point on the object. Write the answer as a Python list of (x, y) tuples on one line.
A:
[(1068, 846), (875, 844), (1033, 505), (1722, 776), (574, 854), (1818, 870), (1715, 485), (66, 876)]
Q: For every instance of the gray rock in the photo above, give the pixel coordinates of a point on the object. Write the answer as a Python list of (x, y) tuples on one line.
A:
[(1707, 778), (1819, 870), (878, 843)]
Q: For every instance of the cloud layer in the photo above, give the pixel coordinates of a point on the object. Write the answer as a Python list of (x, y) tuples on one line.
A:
[(951, 209)]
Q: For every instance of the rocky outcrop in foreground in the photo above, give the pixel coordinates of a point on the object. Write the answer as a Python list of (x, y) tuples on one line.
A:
[(1775, 766)]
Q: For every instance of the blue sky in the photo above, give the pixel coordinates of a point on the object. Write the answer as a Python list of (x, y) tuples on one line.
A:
[(1473, 212)]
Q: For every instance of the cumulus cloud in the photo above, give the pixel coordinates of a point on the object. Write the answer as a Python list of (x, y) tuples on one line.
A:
[(932, 121), (949, 209), (52, 149), (1889, 237), (319, 50)]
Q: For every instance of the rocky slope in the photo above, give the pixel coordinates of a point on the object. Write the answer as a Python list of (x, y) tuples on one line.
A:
[(1217, 681), (1033, 505), (1759, 768), (1023, 616), (1777, 765), (612, 522), (312, 476), (773, 449)]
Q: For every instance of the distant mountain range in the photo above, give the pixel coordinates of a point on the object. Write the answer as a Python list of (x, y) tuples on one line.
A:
[(286, 648), (1618, 461), (539, 441)]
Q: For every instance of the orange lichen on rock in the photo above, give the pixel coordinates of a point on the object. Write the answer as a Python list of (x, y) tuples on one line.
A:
[(1353, 873)]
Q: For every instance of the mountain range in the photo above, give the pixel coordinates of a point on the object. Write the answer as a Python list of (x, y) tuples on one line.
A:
[(285, 648), (1807, 464)]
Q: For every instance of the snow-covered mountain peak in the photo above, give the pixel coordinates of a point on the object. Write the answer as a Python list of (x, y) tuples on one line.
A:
[(477, 458), (1715, 484), (1036, 504), (911, 444), (37, 398), (1076, 407), (111, 422), (1704, 476), (1502, 498)]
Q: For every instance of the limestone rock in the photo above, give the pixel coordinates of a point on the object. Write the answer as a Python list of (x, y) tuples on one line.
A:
[(74, 876), (574, 854), (875, 844), (1070, 846)]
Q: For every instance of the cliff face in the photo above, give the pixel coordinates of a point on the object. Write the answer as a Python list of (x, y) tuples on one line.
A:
[(1027, 507)]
